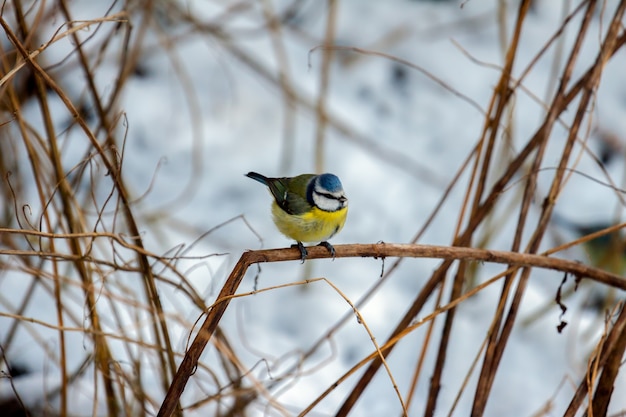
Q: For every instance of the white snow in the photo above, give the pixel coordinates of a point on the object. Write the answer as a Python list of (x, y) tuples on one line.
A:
[(187, 152)]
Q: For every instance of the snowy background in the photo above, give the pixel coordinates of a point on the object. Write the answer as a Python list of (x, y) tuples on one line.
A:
[(198, 113)]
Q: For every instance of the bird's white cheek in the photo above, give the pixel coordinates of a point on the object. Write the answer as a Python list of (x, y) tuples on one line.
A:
[(326, 204)]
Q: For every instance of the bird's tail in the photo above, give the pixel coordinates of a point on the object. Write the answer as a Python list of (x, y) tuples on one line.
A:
[(258, 177)]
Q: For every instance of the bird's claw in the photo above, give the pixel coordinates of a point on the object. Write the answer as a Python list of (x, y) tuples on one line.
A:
[(330, 248), (303, 252)]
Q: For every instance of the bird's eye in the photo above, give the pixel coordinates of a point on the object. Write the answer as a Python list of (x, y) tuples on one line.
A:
[(329, 196)]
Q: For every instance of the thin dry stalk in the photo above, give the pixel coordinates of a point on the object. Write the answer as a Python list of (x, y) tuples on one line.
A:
[(64, 211), (603, 367), (496, 348), (321, 111)]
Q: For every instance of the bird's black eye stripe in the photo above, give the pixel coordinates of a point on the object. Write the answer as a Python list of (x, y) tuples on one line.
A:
[(329, 196)]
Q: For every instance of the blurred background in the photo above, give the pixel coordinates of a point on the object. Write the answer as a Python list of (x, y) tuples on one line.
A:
[(126, 131)]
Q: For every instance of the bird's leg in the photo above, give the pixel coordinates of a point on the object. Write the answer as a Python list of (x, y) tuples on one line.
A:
[(328, 246), (303, 252)]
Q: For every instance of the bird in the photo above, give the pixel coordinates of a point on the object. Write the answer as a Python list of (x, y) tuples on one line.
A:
[(607, 251), (307, 208)]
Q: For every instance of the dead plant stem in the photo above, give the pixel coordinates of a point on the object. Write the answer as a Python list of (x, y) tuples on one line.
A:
[(381, 250)]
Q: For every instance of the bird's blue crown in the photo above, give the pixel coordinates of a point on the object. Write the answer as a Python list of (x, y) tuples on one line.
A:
[(329, 182)]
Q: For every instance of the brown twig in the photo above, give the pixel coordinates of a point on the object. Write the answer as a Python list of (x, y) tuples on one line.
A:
[(605, 363), (380, 250), (500, 101)]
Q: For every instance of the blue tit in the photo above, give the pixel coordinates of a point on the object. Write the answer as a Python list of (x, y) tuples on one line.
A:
[(607, 252), (307, 208)]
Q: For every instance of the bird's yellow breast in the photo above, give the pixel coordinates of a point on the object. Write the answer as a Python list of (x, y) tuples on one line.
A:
[(313, 226)]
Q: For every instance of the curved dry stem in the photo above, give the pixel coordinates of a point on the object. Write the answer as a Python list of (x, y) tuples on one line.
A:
[(380, 250)]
